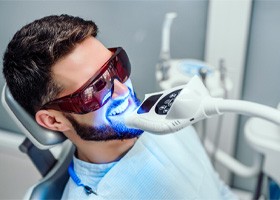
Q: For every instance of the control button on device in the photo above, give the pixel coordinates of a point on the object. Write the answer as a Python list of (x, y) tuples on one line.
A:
[(162, 107), (167, 101), (173, 95)]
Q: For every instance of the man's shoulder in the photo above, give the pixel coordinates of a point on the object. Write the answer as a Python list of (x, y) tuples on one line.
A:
[(185, 138)]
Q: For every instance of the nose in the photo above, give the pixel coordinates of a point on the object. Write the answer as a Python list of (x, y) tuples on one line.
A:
[(120, 89)]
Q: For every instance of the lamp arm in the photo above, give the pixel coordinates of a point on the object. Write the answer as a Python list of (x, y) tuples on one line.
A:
[(219, 106)]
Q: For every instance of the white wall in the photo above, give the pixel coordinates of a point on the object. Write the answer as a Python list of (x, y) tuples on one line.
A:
[(261, 78), (227, 37)]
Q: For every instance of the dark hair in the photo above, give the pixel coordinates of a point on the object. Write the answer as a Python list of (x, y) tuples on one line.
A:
[(34, 49)]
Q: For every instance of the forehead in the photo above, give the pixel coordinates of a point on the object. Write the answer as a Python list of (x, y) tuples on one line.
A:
[(73, 70)]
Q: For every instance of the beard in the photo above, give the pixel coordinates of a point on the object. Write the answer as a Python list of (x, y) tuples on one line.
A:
[(117, 130)]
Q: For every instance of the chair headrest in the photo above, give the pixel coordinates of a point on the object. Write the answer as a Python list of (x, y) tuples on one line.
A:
[(39, 136)]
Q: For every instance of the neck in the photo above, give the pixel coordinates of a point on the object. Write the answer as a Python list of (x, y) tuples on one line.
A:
[(103, 152)]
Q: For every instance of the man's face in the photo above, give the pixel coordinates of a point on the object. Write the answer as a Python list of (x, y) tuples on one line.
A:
[(106, 123)]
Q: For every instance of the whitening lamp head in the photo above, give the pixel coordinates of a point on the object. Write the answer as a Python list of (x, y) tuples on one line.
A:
[(170, 110)]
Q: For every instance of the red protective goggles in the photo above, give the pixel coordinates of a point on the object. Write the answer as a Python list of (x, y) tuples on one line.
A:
[(98, 89)]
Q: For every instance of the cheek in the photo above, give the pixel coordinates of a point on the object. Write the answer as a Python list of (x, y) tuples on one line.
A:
[(99, 116), (128, 83), (95, 118)]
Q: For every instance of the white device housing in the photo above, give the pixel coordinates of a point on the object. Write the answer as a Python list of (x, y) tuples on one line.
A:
[(188, 104)]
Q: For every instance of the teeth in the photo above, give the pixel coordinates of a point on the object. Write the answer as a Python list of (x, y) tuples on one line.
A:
[(121, 108)]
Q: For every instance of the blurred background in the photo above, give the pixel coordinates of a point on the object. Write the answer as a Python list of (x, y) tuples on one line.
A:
[(243, 33)]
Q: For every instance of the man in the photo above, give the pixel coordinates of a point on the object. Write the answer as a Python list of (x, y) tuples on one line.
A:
[(70, 82)]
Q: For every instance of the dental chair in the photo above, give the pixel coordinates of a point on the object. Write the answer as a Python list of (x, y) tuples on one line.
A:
[(264, 137), (49, 151)]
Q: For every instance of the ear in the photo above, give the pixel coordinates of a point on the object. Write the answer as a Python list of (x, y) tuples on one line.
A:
[(51, 121)]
